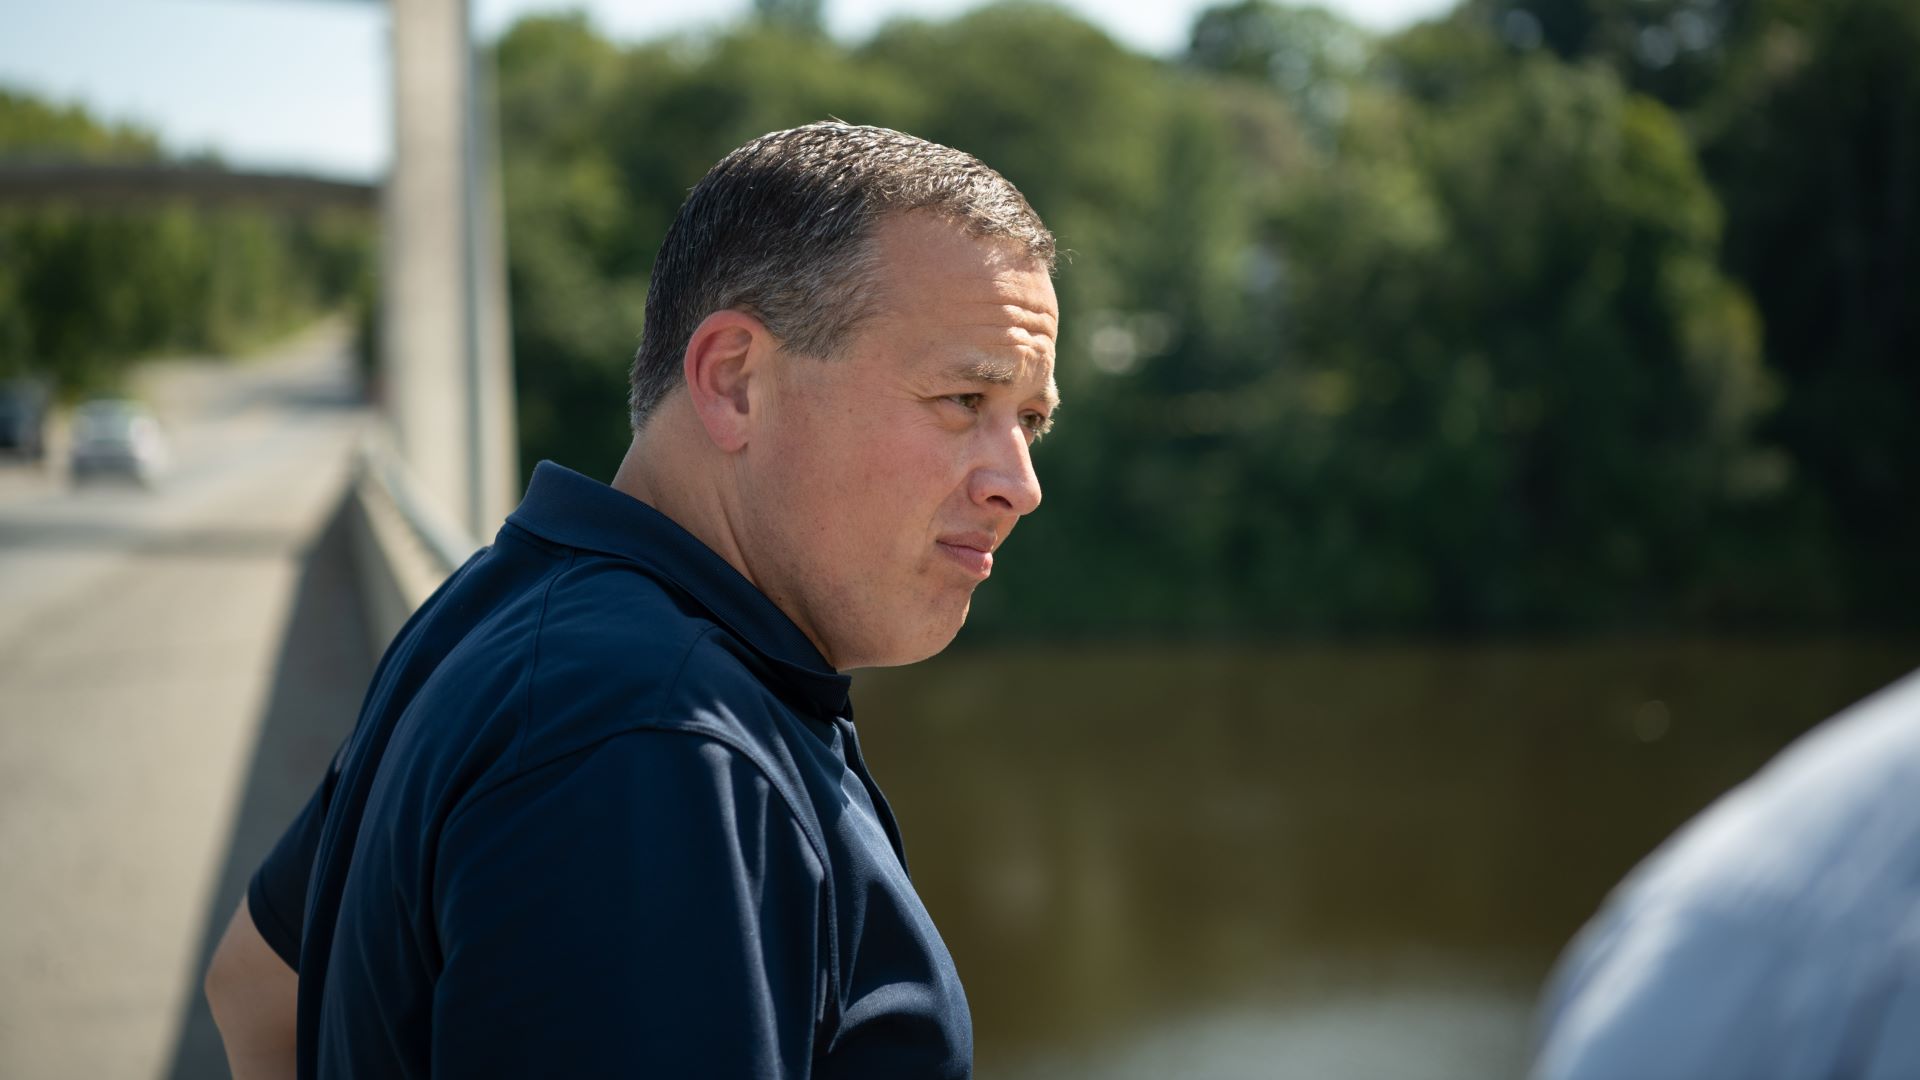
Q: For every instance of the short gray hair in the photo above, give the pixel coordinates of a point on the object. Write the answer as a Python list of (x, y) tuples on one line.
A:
[(783, 228)]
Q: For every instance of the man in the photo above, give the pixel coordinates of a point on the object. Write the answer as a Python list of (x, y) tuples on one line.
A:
[(605, 812), (1776, 936)]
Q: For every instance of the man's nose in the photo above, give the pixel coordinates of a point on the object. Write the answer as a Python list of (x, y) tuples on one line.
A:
[(1006, 480)]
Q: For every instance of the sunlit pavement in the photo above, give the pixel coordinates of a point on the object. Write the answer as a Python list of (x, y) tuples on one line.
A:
[(144, 640)]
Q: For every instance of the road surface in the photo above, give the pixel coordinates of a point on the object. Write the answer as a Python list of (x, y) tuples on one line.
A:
[(176, 665)]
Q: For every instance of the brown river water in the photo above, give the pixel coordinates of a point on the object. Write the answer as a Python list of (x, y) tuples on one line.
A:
[(1314, 862)]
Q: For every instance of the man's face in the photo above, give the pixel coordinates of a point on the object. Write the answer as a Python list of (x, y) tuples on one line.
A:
[(879, 482)]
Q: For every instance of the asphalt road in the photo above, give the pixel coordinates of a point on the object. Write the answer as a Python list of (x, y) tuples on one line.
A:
[(176, 665)]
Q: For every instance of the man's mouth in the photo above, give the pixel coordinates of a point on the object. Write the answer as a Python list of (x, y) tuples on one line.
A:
[(972, 552)]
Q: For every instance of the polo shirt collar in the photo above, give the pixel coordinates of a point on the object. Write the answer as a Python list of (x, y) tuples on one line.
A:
[(568, 508)]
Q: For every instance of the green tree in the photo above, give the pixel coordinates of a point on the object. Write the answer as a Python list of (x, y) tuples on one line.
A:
[(32, 129), (1807, 118), (1456, 355), (1548, 390), (1675, 50), (1309, 56), (797, 16), (1813, 141)]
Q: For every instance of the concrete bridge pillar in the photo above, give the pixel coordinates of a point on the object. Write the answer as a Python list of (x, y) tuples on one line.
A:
[(444, 336)]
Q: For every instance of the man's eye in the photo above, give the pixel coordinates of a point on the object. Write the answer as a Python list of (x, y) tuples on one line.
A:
[(1036, 424), (969, 402)]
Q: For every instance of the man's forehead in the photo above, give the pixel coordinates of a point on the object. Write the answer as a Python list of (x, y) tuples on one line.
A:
[(1012, 305), (1009, 339), (1018, 293), (912, 245), (978, 308), (1013, 319)]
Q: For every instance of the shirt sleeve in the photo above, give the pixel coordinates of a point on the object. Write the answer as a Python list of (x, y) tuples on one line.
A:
[(645, 907), (277, 894)]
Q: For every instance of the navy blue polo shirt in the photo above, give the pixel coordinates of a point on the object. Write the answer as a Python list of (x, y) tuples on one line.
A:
[(604, 813)]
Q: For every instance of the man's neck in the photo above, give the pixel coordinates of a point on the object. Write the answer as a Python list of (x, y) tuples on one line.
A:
[(660, 471), (669, 467)]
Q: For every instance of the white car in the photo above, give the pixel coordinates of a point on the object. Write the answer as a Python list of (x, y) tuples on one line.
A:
[(117, 437)]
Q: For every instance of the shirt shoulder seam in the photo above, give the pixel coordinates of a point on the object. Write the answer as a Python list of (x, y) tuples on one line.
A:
[(533, 666)]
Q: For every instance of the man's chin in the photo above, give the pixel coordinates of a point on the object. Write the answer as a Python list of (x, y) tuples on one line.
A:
[(912, 646)]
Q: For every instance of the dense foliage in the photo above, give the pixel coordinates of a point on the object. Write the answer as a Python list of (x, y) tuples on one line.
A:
[(84, 292), (1550, 315), (1806, 115), (1547, 315)]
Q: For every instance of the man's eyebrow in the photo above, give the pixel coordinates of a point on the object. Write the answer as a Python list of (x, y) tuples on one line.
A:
[(1000, 373), (996, 372)]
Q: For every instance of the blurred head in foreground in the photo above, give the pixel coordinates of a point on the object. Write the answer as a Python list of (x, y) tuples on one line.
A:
[(1777, 935), (848, 355)]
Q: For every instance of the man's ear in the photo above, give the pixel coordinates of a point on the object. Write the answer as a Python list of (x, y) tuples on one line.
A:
[(725, 352)]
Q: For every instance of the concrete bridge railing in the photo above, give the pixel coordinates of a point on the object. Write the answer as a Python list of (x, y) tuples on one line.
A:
[(403, 547)]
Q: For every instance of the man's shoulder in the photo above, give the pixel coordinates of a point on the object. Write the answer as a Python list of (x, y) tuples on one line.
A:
[(611, 613), (617, 650), (593, 650), (598, 626)]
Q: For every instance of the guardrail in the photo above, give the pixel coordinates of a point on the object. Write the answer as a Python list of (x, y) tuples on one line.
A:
[(403, 546)]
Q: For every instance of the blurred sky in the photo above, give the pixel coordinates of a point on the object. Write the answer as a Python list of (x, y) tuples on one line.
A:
[(301, 85)]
